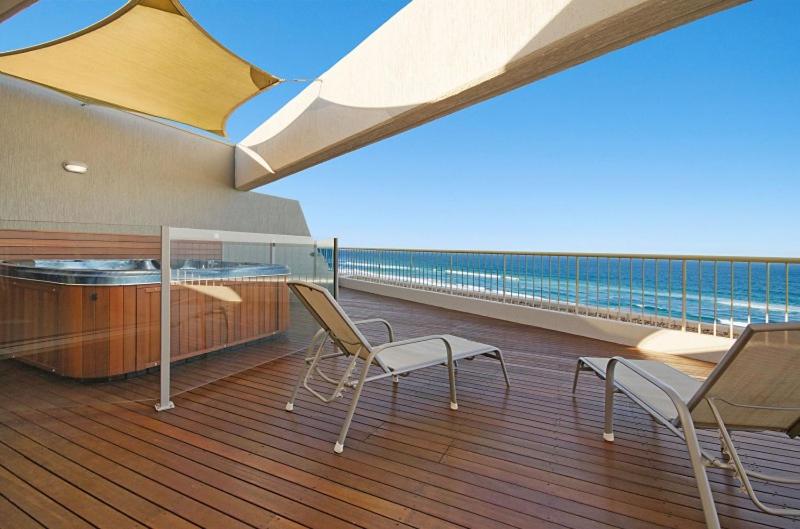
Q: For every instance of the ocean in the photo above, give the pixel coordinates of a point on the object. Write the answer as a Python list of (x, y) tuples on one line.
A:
[(719, 293)]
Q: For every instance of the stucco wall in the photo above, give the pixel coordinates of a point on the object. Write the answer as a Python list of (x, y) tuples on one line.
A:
[(141, 172)]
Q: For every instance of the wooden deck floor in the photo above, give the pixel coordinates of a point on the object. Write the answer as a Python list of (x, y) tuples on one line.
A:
[(229, 456)]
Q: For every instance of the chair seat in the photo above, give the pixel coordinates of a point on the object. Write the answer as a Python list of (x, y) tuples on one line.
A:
[(637, 387), (428, 353)]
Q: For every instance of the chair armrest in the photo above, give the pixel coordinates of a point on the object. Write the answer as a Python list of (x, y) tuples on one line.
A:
[(378, 320)]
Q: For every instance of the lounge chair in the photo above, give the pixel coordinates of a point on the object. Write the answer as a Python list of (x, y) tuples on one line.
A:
[(755, 387), (393, 358)]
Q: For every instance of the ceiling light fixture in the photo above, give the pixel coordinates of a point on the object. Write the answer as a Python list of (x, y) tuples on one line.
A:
[(75, 167)]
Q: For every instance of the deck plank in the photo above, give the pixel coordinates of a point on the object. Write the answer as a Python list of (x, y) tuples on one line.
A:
[(229, 455)]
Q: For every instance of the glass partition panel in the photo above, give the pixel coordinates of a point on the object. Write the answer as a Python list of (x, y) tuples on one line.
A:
[(232, 315), (75, 314)]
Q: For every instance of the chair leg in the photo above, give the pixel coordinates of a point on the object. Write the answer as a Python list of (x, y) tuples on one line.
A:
[(452, 375), (503, 367), (703, 485), (608, 430), (339, 446), (320, 337), (578, 369), (743, 475), (300, 378), (689, 434)]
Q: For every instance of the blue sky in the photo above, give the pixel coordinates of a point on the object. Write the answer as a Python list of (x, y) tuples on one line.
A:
[(687, 142)]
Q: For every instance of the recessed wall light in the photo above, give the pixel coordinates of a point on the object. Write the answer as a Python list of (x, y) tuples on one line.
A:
[(75, 167)]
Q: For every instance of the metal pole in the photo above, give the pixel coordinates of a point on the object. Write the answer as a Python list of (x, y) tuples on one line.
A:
[(335, 268), (630, 288), (164, 402), (451, 273), (608, 288), (669, 291), (766, 309), (715, 299), (655, 305), (683, 295), (549, 281), (642, 311), (786, 293), (699, 296), (504, 278), (619, 288), (733, 271), (577, 282), (596, 284), (314, 262), (558, 281), (749, 291)]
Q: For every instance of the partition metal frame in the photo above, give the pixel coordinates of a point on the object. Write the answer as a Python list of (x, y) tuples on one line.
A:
[(169, 234), (164, 402)]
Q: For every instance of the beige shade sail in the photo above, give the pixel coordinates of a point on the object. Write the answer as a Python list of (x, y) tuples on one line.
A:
[(151, 57)]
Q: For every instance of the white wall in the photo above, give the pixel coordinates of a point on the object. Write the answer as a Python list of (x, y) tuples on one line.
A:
[(140, 171)]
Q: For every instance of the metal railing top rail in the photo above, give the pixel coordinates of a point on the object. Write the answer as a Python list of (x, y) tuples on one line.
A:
[(647, 256)]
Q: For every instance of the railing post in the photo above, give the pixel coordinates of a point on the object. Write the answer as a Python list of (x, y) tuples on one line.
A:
[(655, 304), (749, 292), (164, 402), (504, 278), (699, 296), (669, 292), (335, 268), (314, 253), (577, 281), (683, 295), (596, 285), (644, 261), (451, 273), (714, 331), (549, 281), (733, 271), (786, 292), (766, 306)]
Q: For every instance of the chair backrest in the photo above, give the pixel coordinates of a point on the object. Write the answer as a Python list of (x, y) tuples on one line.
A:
[(762, 369), (330, 316)]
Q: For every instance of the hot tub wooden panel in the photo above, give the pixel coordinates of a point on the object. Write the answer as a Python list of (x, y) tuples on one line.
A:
[(103, 331)]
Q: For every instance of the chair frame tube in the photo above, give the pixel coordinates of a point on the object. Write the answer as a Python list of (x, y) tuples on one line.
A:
[(689, 433), (684, 428), (315, 355)]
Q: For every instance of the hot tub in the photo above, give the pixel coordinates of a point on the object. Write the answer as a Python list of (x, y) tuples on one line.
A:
[(100, 318)]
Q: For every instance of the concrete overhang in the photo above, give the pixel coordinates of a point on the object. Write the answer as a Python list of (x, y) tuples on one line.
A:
[(437, 56)]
